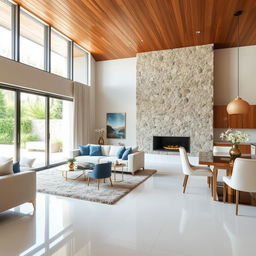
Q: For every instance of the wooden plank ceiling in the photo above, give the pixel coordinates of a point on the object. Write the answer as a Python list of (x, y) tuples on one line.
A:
[(112, 29)]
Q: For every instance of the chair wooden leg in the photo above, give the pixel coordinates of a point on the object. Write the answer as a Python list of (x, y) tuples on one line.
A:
[(98, 181), (111, 181), (185, 183), (237, 201), (33, 203), (88, 181), (224, 192)]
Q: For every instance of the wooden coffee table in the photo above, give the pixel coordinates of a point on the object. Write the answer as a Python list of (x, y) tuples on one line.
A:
[(118, 165)]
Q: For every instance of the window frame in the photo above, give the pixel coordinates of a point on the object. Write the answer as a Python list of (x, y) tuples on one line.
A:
[(15, 45)]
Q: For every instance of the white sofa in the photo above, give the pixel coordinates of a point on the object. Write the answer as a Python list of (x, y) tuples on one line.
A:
[(17, 189), (134, 163)]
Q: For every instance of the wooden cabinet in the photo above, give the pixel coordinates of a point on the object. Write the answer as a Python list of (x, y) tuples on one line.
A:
[(223, 120), (244, 148)]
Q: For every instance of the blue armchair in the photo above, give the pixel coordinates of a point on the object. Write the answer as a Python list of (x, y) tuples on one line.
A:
[(100, 171)]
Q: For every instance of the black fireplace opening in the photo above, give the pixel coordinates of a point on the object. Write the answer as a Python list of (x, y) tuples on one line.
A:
[(170, 143)]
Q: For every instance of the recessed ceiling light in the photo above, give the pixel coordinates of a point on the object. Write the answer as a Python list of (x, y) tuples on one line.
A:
[(198, 32), (141, 40)]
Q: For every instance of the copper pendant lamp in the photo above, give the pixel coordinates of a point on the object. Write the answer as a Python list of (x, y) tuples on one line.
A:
[(238, 105)]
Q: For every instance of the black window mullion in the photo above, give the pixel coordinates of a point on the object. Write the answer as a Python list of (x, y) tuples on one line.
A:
[(17, 126), (16, 32), (47, 48), (47, 130)]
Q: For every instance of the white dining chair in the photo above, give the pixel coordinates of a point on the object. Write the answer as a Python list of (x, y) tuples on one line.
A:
[(243, 178), (191, 170), (221, 150)]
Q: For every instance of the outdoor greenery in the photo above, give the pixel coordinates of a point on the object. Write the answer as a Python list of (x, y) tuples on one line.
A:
[(30, 111)]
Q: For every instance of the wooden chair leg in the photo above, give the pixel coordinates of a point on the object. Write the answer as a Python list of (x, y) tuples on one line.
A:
[(98, 181), (111, 181), (88, 181), (185, 183), (224, 192), (33, 203), (237, 201)]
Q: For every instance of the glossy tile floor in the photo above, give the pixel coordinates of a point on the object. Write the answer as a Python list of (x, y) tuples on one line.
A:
[(154, 219)]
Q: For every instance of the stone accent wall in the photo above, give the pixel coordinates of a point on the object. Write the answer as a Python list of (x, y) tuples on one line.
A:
[(175, 96)]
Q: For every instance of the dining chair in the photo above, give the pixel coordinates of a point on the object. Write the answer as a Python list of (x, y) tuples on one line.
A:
[(221, 150), (191, 170), (243, 178), (100, 171)]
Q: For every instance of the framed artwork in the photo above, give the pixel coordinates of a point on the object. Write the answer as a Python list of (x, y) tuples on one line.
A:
[(116, 125)]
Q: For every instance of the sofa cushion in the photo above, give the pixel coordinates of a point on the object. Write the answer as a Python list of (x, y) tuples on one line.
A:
[(114, 149), (88, 159), (95, 150), (16, 167), (4, 159), (120, 152), (105, 150), (84, 150), (126, 153), (6, 168), (27, 162), (112, 159)]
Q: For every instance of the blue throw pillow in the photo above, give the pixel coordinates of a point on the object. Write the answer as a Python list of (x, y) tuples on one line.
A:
[(126, 153), (16, 167), (120, 153), (84, 150), (95, 150)]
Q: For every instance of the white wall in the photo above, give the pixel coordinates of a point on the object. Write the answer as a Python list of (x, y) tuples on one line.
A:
[(18, 74), (225, 77), (115, 93)]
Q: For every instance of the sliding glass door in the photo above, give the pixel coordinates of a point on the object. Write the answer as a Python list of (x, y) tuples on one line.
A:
[(32, 128), (7, 123), (60, 130), (35, 127)]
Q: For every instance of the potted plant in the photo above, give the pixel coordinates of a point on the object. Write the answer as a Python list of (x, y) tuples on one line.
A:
[(71, 165), (235, 138), (100, 133)]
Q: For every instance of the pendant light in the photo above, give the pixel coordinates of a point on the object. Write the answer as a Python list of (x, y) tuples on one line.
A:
[(238, 105)]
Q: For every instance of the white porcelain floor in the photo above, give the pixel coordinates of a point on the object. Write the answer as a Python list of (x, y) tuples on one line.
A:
[(155, 219)]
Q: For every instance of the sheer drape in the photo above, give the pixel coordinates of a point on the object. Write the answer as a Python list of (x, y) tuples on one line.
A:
[(81, 114)]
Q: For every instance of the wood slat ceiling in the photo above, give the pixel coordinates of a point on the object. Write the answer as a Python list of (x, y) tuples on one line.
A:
[(112, 29)]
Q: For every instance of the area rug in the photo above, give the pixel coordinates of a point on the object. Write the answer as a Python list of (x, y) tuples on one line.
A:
[(51, 182)]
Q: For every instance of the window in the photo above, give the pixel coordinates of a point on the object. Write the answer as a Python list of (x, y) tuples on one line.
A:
[(32, 128), (60, 137), (6, 28), (80, 62), (60, 57), (7, 123), (32, 40)]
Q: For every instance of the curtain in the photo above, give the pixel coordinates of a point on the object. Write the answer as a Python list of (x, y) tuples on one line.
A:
[(81, 114)]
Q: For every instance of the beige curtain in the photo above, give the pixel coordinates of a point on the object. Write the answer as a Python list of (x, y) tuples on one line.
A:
[(81, 114)]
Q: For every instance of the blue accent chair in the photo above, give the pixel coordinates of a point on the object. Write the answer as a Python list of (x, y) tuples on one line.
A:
[(100, 171)]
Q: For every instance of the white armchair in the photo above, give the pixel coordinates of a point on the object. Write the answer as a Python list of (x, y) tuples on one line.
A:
[(16, 189), (190, 170), (243, 178)]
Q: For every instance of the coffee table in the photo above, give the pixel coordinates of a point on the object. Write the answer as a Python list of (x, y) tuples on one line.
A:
[(118, 165), (82, 170)]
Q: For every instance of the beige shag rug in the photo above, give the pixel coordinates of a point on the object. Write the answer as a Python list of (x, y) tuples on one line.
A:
[(51, 182)]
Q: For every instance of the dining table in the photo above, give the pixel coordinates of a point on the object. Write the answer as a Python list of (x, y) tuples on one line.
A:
[(220, 161)]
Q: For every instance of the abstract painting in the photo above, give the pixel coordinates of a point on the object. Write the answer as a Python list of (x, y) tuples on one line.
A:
[(116, 126)]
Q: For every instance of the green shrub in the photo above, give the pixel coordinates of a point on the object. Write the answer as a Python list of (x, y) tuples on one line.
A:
[(7, 130), (28, 137)]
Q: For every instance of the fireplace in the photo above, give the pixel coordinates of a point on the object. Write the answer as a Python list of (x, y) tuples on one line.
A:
[(170, 143)]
